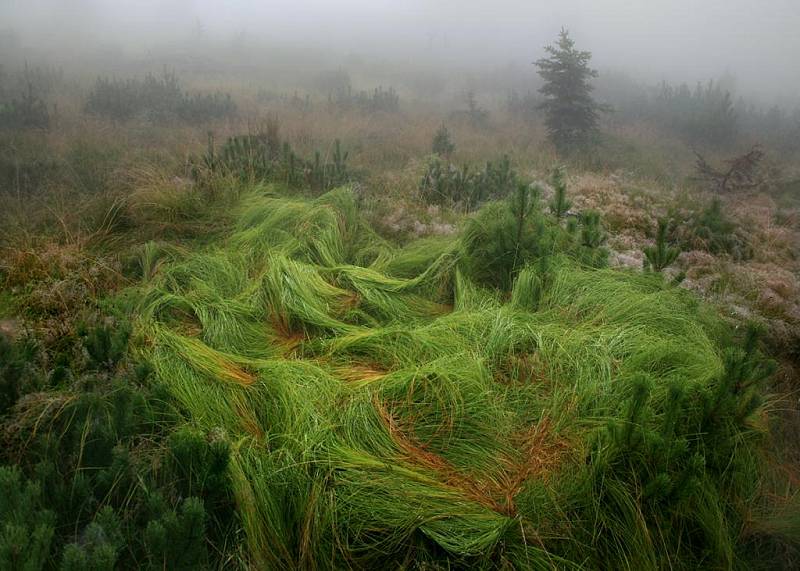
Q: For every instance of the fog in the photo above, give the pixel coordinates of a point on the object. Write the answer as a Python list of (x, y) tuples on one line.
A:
[(675, 40)]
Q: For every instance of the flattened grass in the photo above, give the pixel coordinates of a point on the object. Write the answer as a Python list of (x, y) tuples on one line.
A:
[(388, 411)]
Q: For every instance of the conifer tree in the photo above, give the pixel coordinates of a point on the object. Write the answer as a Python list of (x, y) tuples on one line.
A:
[(559, 204), (592, 235), (571, 112), (504, 237), (442, 144), (660, 255), (26, 526)]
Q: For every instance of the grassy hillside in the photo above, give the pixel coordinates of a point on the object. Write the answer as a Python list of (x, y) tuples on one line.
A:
[(225, 345)]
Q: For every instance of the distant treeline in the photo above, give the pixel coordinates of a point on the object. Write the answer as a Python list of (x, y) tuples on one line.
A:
[(708, 114)]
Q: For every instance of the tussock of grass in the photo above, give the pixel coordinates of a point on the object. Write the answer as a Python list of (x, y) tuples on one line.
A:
[(388, 410)]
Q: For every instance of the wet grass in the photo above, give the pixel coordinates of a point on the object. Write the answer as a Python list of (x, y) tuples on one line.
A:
[(385, 409)]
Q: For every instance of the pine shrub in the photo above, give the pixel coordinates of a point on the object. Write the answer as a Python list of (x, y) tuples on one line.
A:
[(592, 238), (343, 97), (176, 540), (505, 236), (26, 525), (676, 449), (447, 185), (28, 111), (442, 145), (155, 98), (660, 255), (262, 157), (559, 204), (18, 374)]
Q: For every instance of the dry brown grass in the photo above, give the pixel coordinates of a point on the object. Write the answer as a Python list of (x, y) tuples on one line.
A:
[(54, 284), (359, 373), (624, 214), (539, 454)]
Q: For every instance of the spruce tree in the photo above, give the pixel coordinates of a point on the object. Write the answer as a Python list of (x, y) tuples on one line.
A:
[(571, 112)]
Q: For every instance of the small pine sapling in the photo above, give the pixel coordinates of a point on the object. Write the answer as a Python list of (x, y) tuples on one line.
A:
[(500, 178), (592, 237), (176, 540), (559, 204), (17, 376), (661, 254), (523, 204), (99, 547), (27, 527), (736, 395), (478, 116), (106, 346), (338, 173), (442, 145), (504, 237)]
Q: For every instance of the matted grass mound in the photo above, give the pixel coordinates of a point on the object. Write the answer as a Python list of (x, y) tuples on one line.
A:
[(386, 410)]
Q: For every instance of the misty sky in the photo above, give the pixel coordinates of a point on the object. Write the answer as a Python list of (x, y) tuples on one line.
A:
[(756, 40)]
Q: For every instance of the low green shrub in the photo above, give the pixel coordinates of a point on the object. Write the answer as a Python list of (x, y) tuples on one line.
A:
[(28, 111), (506, 236), (18, 370), (262, 157), (446, 185), (99, 477), (710, 229), (559, 204), (377, 100), (442, 145), (660, 255), (155, 98), (27, 527)]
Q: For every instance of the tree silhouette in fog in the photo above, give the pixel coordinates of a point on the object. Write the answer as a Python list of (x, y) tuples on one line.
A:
[(571, 112)]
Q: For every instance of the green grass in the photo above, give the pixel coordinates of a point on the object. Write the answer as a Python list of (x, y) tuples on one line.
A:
[(384, 409)]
